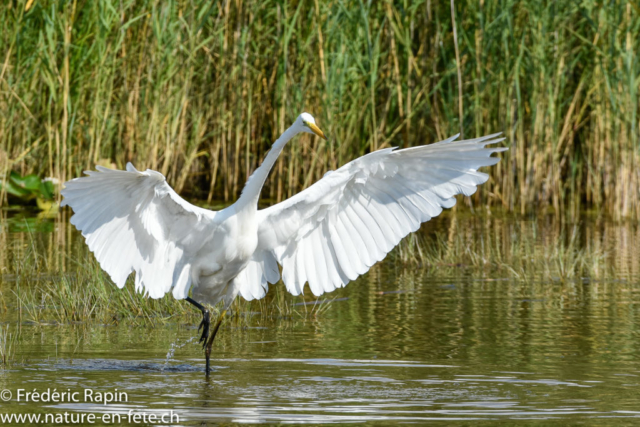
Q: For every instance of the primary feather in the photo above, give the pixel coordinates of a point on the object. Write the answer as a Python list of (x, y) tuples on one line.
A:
[(335, 230)]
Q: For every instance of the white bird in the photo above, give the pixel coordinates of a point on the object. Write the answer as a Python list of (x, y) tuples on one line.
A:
[(326, 235)]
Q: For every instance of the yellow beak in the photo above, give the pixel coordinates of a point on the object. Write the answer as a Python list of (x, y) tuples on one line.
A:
[(315, 129)]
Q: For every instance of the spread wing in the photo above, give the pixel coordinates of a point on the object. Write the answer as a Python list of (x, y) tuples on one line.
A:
[(336, 229), (134, 222)]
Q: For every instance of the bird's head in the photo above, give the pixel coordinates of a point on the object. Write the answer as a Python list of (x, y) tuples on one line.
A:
[(307, 123)]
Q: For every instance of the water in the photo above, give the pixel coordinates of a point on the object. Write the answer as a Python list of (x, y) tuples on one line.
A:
[(470, 342)]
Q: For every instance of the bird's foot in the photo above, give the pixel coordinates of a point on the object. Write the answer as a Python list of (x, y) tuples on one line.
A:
[(206, 321), (204, 325)]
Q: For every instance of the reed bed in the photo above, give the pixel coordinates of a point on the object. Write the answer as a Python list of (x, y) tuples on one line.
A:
[(47, 276), (86, 295), (521, 250), (50, 277), (200, 89)]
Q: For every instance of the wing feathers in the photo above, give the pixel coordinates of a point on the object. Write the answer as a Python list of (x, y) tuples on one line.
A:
[(133, 221), (335, 230)]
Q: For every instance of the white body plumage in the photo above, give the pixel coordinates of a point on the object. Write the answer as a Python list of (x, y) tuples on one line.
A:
[(326, 235)]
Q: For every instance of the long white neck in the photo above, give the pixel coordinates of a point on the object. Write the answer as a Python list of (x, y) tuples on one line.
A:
[(253, 187)]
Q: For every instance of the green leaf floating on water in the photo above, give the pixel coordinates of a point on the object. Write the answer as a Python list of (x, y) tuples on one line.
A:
[(29, 187), (29, 182), (16, 190)]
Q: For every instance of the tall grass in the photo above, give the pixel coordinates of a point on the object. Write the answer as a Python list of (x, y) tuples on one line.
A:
[(518, 250), (50, 277), (8, 341), (47, 276), (199, 89)]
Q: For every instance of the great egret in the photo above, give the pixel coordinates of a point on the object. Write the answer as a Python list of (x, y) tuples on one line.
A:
[(326, 235)]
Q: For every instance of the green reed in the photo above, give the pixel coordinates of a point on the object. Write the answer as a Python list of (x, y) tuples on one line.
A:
[(199, 90), (86, 294), (522, 251), (47, 275), (8, 343)]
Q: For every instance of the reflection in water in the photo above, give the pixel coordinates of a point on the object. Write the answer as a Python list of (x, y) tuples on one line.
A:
[(506, 319)]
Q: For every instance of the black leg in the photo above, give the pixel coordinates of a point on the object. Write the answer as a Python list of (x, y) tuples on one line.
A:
[(206, 321), (207, 350)]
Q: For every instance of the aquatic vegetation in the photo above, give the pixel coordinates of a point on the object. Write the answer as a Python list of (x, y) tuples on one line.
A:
[(530, 252), (84, 293), (28, 188), (89, 296), (8, 344), (176, 87), (52, 283)]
